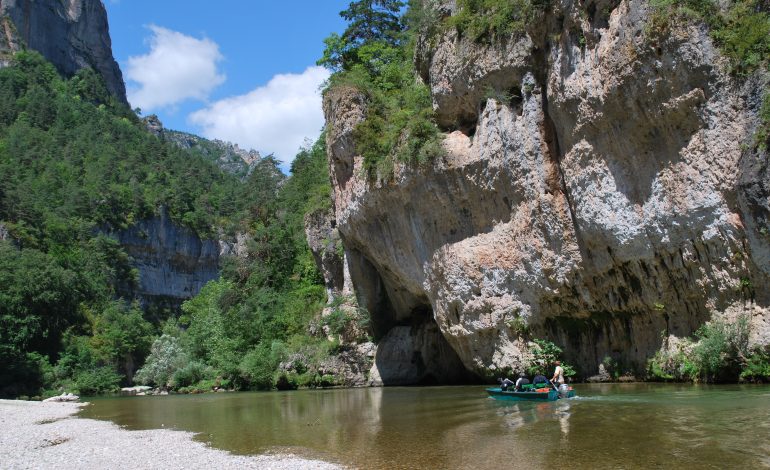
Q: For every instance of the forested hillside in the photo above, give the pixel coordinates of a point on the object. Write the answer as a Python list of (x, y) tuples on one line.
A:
[(76, 164)]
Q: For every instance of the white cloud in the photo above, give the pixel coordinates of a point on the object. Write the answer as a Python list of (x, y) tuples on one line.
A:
[(177, 67), (275, 118)]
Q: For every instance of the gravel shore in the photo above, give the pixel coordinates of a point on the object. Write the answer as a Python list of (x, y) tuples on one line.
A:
[(47, 435)]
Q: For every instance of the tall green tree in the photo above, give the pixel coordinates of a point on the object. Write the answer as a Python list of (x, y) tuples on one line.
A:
[(375, 25)]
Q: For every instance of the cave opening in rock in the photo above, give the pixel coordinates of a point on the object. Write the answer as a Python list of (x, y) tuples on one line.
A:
[(415, 352), (411, 349)]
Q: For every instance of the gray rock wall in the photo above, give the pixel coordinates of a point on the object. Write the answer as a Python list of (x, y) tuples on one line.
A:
[(173, 262), (71, 34), (614, 198)]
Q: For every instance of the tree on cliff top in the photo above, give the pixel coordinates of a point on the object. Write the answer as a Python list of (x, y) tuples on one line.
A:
[(372, 23)]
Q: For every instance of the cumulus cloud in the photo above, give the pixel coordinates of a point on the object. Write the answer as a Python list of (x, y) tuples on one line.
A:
[(177, 68), (275, 118)]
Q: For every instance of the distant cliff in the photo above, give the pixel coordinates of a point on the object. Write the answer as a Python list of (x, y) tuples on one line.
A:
[(71, 34), (602, 188), (173, 262)]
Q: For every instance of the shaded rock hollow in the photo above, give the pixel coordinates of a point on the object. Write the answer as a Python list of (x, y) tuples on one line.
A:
[(617, 201)]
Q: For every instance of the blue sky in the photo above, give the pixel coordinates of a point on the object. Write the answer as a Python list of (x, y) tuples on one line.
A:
[(236, 70)]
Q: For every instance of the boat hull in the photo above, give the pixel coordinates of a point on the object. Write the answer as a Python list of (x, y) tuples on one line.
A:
[(509, 395)]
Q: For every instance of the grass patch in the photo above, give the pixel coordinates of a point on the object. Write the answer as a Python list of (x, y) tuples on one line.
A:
[(486, 21), (741, 31)]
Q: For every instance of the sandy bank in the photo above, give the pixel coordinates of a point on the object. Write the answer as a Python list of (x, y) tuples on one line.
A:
[(47, 435)]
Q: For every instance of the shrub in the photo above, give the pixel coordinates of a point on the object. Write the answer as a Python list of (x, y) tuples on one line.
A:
[(719, 352), (757, 367), (741, 31), (166, 357), (544, 354), (489, 20), (721, 349), (258, 367), (97, 381), (193, 373)]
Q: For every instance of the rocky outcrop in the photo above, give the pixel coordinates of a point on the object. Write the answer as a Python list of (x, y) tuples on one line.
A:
[(154, 126), (173, 262), (71, 34), (326, 246), (64, 397), (228, 156), (601, 189)]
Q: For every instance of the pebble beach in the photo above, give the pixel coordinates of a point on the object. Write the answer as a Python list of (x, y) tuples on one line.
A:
[(36, 435)]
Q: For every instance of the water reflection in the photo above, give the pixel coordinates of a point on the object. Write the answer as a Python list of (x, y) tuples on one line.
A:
[(607, 426)]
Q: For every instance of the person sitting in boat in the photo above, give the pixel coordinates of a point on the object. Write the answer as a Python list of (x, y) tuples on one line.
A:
[(522, 380), (558, 373), (505, 383), (540, 379)]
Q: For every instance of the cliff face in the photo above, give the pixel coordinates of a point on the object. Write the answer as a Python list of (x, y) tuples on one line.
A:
[(71, 34), (610, 197), (173, 262)]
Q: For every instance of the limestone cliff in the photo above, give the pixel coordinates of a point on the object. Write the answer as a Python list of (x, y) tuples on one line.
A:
[(71, 34), (173, 262), (607, 196)]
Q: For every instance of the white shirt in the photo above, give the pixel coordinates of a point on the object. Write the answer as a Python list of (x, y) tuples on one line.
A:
[(559, 372)]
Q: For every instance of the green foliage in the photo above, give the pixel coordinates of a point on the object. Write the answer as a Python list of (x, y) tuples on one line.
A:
[(518, 325), (74, 164), (544, 355), (720, 348), (71, 152), (741, 30), (97, 381), (719, 352), (343, 318), (370, 22), (166, 358), (494, 20), (757, 367), (400, 125), (236, 330), (192, 374), (259, 365)]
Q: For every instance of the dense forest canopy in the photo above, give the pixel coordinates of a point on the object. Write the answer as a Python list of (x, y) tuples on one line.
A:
[(76, 165)]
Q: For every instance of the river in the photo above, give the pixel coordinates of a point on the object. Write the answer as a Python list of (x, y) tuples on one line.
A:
[(606, 426)]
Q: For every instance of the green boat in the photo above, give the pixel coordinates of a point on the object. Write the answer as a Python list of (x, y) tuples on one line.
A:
[(529, 393)]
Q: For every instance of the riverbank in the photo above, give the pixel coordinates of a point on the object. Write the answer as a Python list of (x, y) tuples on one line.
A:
[(48, 435)]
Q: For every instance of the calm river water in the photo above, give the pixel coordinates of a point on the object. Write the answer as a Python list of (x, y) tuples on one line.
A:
[(606, 426)]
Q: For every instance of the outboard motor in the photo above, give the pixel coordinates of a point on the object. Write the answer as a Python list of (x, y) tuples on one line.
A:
[(563, 390)]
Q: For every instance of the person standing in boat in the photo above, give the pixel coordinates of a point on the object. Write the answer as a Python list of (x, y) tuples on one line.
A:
[(558, 373)]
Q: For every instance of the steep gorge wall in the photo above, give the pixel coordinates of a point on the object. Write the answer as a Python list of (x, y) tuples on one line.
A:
[(610, 197), (71, 34), (173, 262)]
